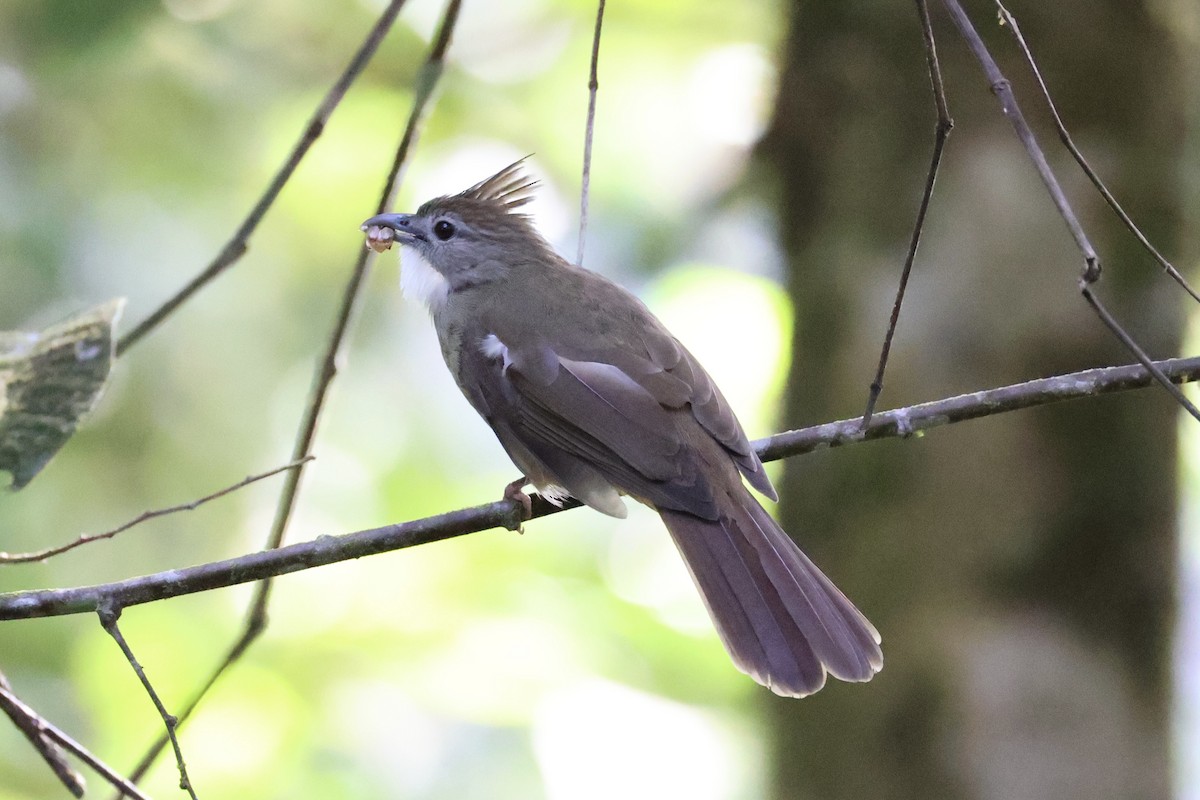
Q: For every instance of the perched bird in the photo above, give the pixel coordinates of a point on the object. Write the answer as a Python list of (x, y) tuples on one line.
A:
[(592, 397)]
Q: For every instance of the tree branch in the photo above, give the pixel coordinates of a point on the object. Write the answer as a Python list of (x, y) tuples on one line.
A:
[(237, 245), (897, 423), (47, 738), (1002, 89), (145, 516), (941, 133), (1065, 137), (327, 367), (588, 130), (109, 612), (32, 724)]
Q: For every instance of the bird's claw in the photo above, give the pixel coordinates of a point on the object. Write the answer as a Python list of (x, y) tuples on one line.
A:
[(513, 492)]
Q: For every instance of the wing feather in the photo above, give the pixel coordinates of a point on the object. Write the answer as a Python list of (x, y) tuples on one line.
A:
[(597, 413), (674, 378)]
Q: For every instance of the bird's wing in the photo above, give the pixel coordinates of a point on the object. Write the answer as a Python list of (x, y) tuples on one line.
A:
[(707, 404), (613, 388), (566, 411), (659, 364)]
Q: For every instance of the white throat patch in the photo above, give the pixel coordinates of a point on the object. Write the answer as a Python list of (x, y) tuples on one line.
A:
[(419, 281)]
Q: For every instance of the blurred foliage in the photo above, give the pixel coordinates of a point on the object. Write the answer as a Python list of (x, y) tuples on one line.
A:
[(133, 136), (49, 380)]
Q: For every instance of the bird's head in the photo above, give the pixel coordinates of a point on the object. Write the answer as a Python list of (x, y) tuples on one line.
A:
[(469, 238)]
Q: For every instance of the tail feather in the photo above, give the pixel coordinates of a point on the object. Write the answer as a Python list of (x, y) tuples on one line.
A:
[(845, 641), (783, 622)]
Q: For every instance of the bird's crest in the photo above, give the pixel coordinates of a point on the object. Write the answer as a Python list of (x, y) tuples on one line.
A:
[(510, 187)]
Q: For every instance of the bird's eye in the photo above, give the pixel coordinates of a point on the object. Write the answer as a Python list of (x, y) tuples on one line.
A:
[(443, 230)]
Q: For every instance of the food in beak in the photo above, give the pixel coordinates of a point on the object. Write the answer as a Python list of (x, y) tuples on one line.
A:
[(379, 237)]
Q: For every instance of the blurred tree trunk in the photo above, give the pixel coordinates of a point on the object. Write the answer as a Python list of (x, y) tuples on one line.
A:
[(1020, 568)]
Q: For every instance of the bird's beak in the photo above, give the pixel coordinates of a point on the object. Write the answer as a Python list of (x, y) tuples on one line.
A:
[(383, 229)]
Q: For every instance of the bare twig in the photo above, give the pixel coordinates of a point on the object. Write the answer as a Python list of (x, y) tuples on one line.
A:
[(327, 369), (941, 133), (327, 366), (31, 723), (1111, 323), (109, 612), (902, 422), (236, 247), (589, 128), (41, 555), (1008, 104), (1065, 137), (231, 656), (1091, 270), (41, 731)]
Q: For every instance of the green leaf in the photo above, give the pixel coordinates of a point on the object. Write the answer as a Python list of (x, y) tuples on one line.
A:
[(48, 382)]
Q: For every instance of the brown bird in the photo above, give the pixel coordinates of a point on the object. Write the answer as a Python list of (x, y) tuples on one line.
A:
[(592, 397)]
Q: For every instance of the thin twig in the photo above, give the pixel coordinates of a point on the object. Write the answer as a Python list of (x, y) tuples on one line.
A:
[(1002, 89), (347, 311), (256, 618), (45, 729), (1091, 270), (897, 423), (231, 656), (236, 247), (1133, 347), (41, 555), (32, 725), (109, 774), (1065, 137), (589, 128), (941, 133), (109, 612)]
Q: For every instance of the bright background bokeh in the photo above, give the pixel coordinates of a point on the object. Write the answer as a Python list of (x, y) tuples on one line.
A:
[(575, 661)]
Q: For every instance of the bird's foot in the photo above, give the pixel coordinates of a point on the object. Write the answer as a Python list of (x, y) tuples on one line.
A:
[(513, 492)]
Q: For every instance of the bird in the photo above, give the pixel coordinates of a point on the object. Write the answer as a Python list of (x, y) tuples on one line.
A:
[(592, 397)]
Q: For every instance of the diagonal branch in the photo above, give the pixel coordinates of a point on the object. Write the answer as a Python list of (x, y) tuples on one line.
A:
[(145, 516), (32, 725), (109, 612), (941, 132), (236, 247), (351, 296), (256, 618), (898, 423), (1065, 137), (1091, 270), (1002, 89), (47, 738)]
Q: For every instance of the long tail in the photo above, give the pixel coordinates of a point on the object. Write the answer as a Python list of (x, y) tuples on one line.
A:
[(784, 623)]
